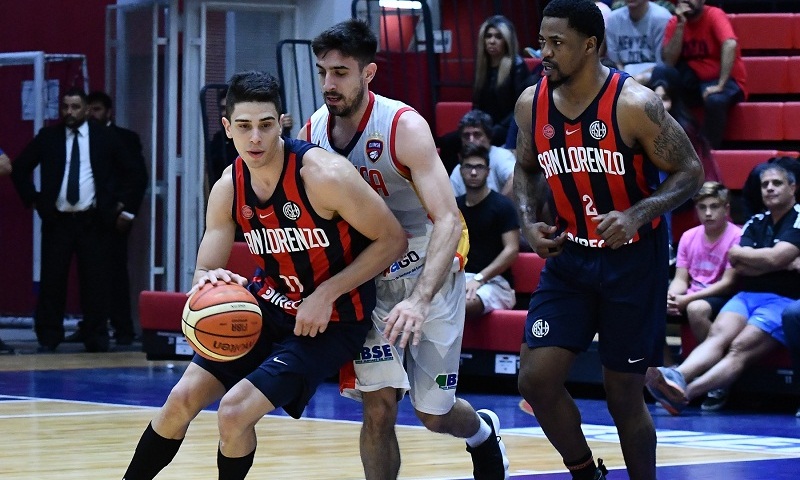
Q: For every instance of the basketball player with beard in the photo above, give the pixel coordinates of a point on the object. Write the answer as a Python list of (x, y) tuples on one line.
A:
[(419, 317), (590, 144)]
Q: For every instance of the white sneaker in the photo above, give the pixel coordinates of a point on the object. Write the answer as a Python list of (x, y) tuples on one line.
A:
[(489, 459)]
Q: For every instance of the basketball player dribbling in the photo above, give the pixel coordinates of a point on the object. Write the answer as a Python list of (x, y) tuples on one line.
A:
[(419, 318), (319, 235), (593, 140)]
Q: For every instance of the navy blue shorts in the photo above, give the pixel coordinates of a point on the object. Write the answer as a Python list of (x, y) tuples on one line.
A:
[(619, 294), (286, 368)]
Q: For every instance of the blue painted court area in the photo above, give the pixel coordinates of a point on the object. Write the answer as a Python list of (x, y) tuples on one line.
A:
[(730, 430)]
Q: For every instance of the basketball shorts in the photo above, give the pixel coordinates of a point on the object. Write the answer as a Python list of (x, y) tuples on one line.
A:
[(431, 368), (288, 368), (620, 295), (762, 310)]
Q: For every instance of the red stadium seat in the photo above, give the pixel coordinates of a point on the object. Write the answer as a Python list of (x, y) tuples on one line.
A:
[(793, 67), (767, 75), (755, 121), (448, 115), (532, 63), (497, 331), (765, 31), (525, 270), (735, 165), (795, 27), (791, 120), (241, 261)]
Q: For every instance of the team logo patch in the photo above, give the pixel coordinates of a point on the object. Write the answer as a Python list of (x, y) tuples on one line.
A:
[(291, 210), (447, 381), (548, 131), (598, 130), (247, 212), (374, 147), (540, 328)]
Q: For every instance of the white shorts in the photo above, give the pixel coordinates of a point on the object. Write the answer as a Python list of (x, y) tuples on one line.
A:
[(431, 368), (496, 294)]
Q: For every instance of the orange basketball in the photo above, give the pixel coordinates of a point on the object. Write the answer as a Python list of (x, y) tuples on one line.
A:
[(222, 322)]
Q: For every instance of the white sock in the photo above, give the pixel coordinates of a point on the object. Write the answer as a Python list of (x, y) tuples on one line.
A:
[(481, 435)]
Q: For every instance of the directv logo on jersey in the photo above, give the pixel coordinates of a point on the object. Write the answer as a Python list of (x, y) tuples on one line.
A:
[(282, 301), (581, 159), (377, 353)]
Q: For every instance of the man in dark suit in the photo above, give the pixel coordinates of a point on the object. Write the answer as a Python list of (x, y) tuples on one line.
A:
[(100, 108), (87, 182)]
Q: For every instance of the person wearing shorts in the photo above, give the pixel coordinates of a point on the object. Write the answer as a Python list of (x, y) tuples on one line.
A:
[(749, 325), (419, 320), (590, 145), (493, 235), (319, 235), (704, 279)]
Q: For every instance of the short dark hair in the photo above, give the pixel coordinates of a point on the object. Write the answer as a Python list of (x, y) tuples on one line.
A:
[(790, 177), (354, 38), (100, 97), (476, 118), (474, 150), (75, 92), (581, 15), (252, 86)]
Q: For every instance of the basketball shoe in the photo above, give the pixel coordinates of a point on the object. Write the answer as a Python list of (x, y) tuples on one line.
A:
[(717, 399), (600, 473), (489, 459), (668, 387)]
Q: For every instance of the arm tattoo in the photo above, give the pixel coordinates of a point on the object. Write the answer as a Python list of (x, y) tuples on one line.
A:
[(655, 111)]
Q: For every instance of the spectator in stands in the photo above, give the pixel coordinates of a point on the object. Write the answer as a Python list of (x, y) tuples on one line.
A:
[(475, 128), (221, 151), (500, 77), (701, 55), (751, 191), (88, 181), (791, 329), (634, 34), (704, 280), (673, 103), (100, 108), (749, 325), (668, 4), (670, 96), (493, 227), (5, 169)]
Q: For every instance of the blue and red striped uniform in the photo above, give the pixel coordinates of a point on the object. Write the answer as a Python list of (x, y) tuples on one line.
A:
[(588, 167), (619, 294), (297, 249)]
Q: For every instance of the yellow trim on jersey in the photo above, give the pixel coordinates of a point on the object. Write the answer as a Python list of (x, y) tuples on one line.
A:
[(462, 249)]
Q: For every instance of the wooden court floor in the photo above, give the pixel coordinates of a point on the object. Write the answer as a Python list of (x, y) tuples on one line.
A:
[(80, 415)]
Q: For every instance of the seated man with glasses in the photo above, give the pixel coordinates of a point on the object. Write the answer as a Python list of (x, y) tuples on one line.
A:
[(475, 128), (493, 229)]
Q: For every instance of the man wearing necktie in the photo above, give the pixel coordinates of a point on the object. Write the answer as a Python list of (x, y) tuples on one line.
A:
[(87, 180)]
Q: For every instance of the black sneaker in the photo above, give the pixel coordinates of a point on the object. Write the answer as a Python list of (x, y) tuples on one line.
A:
[(6, 348), (717, 399), (489, 459), (600, 473)]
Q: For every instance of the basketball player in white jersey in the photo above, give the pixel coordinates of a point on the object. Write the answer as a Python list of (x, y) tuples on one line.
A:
[(419, 318)]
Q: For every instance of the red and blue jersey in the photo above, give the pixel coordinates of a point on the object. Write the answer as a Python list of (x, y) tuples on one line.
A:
[(295, 248), (587, 165)]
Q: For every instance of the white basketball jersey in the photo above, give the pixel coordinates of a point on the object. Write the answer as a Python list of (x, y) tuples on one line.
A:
[(371, 151)]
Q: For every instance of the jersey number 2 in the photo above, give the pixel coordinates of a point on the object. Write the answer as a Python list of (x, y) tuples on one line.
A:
[(590, 210)]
